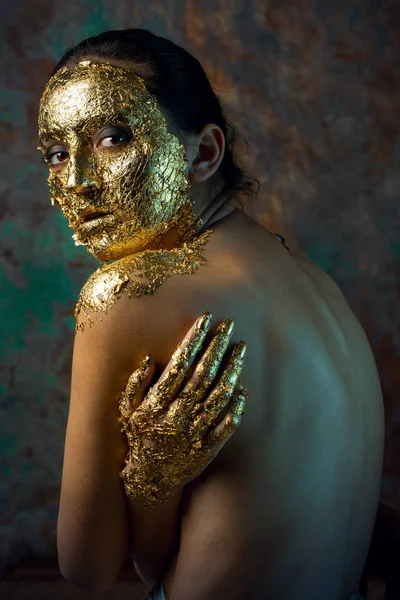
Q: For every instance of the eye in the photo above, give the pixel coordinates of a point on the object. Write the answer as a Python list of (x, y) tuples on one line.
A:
[(109, 138), (56, 156)]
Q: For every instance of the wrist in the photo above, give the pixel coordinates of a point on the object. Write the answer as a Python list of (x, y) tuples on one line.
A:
[(176, 493), (169, 496), (161, 501), (144, 488)]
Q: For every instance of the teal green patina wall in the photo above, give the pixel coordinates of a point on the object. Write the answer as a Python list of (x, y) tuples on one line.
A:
[(313, 85)]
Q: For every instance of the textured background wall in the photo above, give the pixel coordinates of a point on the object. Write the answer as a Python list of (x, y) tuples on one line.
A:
[(314, 86)]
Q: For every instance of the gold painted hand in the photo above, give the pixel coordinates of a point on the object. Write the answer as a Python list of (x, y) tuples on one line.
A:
[(174, 435)]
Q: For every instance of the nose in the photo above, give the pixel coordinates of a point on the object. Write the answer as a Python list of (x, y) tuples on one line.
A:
[(81, 176)]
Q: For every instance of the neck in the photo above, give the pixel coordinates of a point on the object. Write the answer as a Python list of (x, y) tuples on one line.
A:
[(222, 205), (217, 209)]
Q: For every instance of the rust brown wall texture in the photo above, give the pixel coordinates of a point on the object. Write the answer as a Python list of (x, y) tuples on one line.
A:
[(314, 87)]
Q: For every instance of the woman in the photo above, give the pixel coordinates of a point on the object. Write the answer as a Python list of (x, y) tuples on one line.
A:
[(141, 165)]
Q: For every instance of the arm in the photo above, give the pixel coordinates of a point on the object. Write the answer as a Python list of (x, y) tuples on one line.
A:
[(175, 460), (93, 522), (92, 528), (156, 538)]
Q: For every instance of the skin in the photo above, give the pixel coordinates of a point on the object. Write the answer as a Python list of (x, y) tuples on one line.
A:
[(300, 477), (172, 436), (111, 151)]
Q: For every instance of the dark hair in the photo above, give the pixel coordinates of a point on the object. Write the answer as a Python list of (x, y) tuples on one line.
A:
[(178, 82)]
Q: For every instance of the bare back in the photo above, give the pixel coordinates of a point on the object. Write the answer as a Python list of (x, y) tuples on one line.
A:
[(287, 508)]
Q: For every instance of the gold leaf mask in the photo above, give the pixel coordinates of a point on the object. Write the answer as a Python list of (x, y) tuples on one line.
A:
[(138, 184)]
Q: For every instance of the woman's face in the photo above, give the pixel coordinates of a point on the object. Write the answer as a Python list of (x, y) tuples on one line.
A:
[(109, 152)]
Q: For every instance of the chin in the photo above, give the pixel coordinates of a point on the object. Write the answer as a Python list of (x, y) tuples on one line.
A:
[(106, 246), (113, 252), (107, 255)]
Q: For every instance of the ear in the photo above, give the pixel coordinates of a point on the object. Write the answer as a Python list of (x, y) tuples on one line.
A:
[(210, 152)]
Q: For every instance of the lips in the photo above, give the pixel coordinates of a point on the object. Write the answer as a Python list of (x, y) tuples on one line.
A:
[(90, 216), (96, 221), (94, 216)]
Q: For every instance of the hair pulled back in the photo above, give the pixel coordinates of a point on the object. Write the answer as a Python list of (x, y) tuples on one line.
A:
[(178, 82)]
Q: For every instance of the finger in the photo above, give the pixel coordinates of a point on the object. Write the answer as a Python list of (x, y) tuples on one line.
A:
[(207, 368), (178, 367), (219, 435), (232, 419), (135, 390), (221, 395)]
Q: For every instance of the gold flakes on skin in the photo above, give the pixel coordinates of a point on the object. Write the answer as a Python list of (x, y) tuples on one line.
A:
[(137, 275), (168, 447), (140, 185)]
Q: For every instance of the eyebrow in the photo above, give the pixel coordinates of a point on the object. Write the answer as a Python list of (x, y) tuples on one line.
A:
[(97, 121)]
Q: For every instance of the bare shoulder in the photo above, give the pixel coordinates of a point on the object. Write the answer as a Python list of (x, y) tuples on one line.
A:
[(120, 306), (107, 286)]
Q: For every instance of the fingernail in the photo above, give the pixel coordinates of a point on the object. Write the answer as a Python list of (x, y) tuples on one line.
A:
[(226, 326), (146, 362), (242, 350), (204, 322)]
